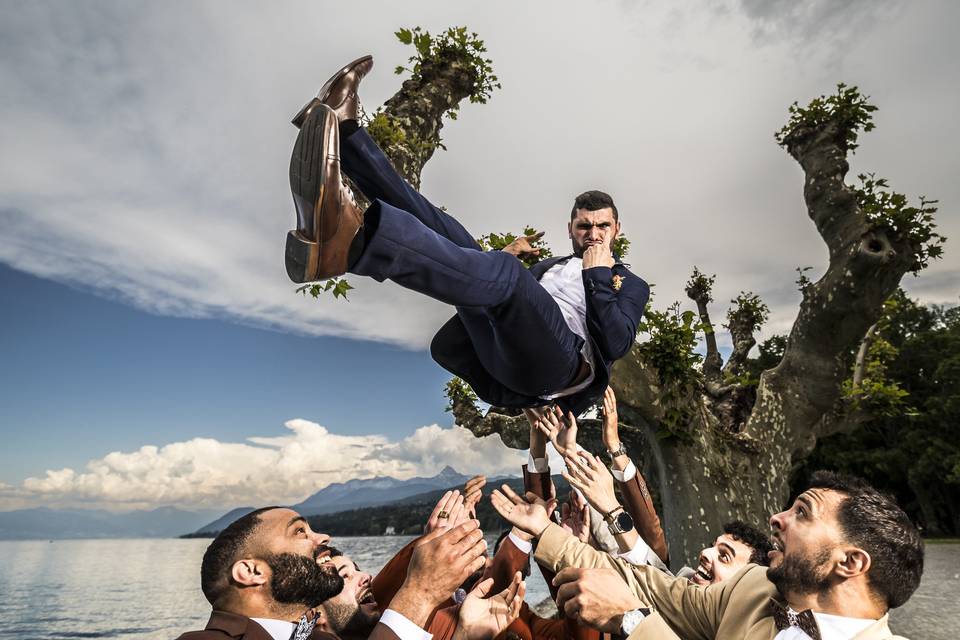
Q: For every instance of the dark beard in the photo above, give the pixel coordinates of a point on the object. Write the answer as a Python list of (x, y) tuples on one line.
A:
[(800, 575), (299, 579), (350, 621)]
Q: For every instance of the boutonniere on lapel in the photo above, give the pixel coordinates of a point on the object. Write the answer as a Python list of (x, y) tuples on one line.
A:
[(617, 282)]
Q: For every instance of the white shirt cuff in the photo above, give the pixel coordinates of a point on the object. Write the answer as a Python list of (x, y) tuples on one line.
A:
[(523, 545), (537, 465), (627, 474), (638, 555), (403, 627)]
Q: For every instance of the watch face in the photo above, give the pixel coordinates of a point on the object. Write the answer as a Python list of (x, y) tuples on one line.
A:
[(624, 521)]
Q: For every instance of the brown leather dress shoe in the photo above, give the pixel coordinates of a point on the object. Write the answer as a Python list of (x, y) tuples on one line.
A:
[(328, 218), (339, 92)]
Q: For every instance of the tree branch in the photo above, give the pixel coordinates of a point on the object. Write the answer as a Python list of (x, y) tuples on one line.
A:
[(699, 289)]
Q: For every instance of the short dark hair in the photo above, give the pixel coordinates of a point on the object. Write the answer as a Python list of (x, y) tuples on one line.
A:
[(874, 522), (594, 201), (758, 541), (223, 552)]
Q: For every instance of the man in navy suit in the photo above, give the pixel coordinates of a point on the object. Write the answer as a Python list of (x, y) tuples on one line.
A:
[(520, 338)]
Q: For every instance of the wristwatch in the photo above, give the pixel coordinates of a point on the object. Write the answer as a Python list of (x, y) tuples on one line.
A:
[(631, 619), (622, 451), (618, 521)]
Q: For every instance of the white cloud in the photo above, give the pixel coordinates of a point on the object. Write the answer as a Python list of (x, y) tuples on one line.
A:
[(204, 472), (146, 144)]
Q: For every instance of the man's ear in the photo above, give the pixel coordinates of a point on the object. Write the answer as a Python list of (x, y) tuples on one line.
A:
[(570, 229), (249, 572), (855, 562)]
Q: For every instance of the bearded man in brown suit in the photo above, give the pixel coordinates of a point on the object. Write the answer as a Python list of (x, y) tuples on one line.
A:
[(265, 574), (845, 554)]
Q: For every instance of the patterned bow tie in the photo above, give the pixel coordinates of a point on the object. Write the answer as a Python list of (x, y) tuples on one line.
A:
[(305, 626), (785, 618)]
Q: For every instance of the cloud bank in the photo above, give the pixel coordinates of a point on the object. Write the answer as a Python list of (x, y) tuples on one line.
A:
[(207, 473), (146, 144)]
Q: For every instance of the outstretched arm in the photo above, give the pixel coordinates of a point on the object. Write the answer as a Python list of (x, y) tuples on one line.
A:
[(633, 488)]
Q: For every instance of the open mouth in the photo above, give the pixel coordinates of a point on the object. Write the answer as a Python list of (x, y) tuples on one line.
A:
[(367, 598), (323, 555), (777, 547), (704, 574)]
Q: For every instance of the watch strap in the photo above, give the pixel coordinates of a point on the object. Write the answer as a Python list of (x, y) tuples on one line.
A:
[(622, 451)]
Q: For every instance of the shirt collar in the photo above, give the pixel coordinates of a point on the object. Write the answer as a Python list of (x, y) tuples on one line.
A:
[(840, 627), (278, 629)]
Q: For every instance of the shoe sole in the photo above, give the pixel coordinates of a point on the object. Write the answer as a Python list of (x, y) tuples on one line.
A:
[(307, 180)]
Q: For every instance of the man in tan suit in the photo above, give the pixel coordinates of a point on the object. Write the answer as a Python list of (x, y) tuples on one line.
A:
[(844, 555)]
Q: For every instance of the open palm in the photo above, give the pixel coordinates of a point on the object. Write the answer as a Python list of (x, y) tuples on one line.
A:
[(483, 616)]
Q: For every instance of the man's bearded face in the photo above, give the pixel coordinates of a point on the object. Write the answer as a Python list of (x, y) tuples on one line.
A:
[(354, 611), (297, 579), (802, 574)]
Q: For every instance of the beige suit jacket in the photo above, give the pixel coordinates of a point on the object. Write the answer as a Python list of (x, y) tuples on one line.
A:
[(735, 609)]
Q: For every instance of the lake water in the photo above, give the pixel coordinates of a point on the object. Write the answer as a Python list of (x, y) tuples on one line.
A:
[(150, 588)]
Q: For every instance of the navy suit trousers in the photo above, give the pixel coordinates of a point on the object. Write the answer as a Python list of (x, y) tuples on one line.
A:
[(515, 326)]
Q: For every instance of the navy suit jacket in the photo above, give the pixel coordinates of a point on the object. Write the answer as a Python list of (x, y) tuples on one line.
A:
[(612, 319)]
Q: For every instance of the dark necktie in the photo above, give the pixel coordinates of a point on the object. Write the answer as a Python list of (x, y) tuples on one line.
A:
[(305, 626), (785, 618)]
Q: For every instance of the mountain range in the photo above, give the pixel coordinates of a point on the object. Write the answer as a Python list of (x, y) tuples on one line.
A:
[(44, 523), (353, 494)]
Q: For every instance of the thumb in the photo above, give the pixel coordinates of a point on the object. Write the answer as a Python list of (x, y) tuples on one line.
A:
[(482, 588)]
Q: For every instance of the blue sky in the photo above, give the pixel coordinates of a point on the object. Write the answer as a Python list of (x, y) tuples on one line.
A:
[(83, 375), (152, 350)]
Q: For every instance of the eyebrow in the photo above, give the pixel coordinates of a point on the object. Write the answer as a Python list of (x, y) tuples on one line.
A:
[(807, 502), (295, 520), (730, 549)]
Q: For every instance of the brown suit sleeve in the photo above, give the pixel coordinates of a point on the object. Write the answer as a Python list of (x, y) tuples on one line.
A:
[(560, 629), (444, 622), (640, 507), (386, 583), (539, 483), (507, 562), (542, 485)]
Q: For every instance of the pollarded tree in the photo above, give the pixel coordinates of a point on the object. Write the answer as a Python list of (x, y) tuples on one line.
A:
[(717, 440)]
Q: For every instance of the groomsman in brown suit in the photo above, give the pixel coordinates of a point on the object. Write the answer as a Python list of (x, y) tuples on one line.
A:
[(845, 554), (265, 574)]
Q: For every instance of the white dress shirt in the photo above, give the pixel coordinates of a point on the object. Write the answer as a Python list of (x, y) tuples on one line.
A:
[(564, 283), (398, 623), (278, 629), (831, 628)]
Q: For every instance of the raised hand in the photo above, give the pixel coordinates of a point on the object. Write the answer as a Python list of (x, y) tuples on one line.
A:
[(472, 493), (588, 474), (523, 247), (441, 561), (538, 442), (597, 255), (575, 517), (611, 434), (449, 512), (560, 430), (529, 514), (595, 597), (483, 616)]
